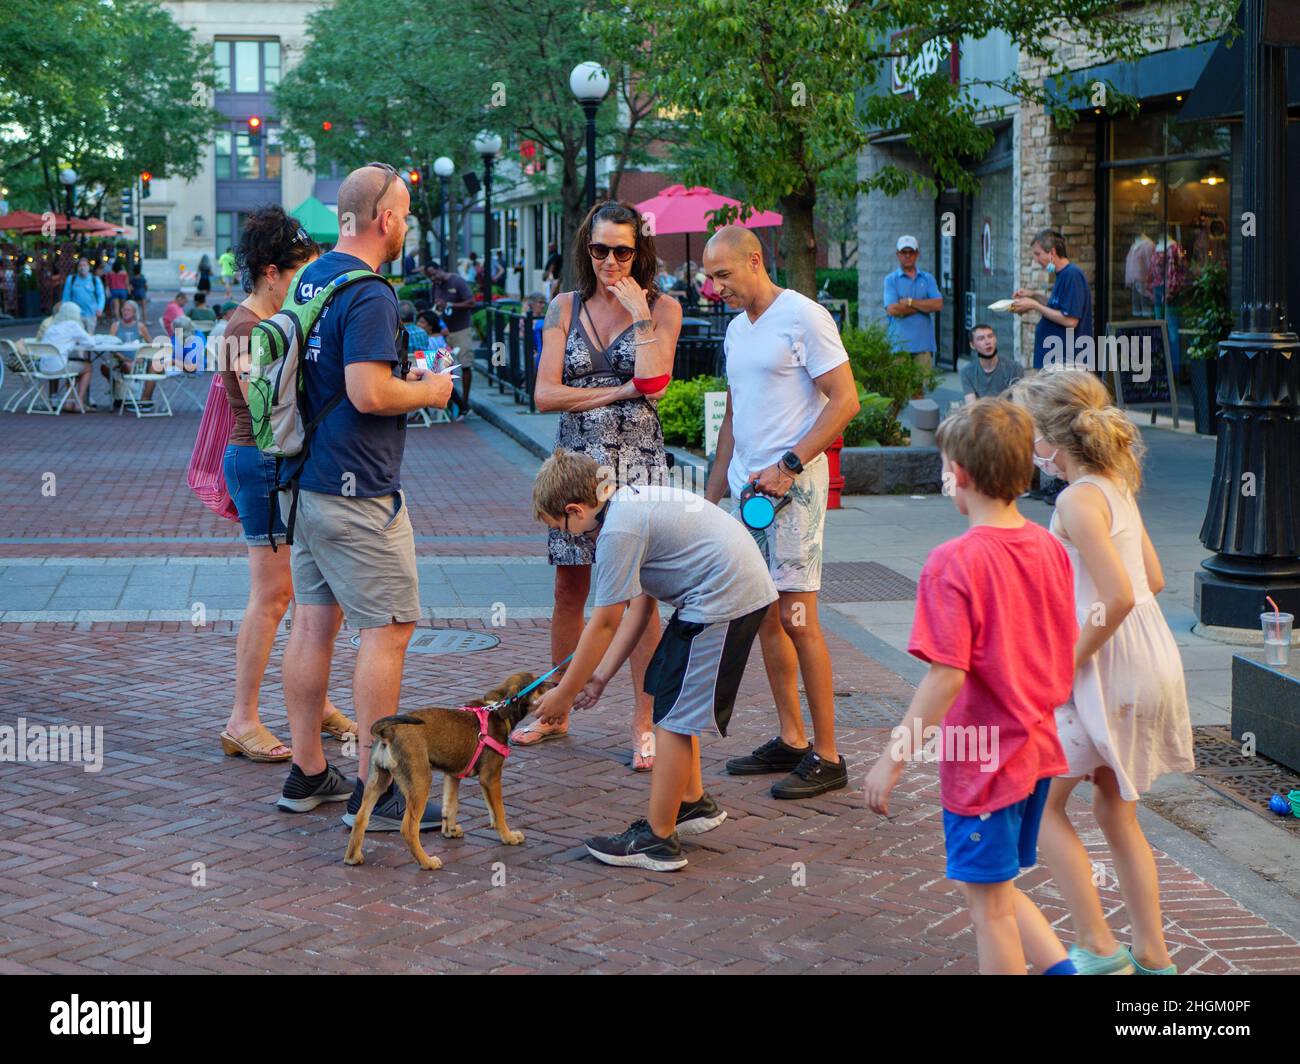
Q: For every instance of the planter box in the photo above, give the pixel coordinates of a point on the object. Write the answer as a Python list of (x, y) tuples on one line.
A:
[(891, 470)]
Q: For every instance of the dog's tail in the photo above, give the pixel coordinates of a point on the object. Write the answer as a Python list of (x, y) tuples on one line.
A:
[(380, 727)]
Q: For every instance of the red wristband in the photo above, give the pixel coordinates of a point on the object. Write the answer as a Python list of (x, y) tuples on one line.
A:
[(650, 385)]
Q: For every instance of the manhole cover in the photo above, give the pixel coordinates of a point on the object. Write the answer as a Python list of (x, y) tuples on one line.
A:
[(864, 582), (444, 641), (1247, 780)]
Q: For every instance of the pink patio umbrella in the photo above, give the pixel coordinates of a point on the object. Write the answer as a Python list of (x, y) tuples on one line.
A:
[(21, 221), (678, 209)]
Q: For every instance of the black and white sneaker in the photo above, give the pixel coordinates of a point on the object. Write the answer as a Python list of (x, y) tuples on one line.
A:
[(811, 777), (775, 755), (639, 847), (303, 793), (389, 810), (699, 816)]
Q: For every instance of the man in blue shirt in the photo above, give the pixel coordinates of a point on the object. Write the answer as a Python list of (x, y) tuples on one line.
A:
[(87, 291), (1066, 315), (354, 549), (911, 300)]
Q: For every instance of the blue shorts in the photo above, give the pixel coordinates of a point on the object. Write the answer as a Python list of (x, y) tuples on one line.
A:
[(994, 847), (250, 476)]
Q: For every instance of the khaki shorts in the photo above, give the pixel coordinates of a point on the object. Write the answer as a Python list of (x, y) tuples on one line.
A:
[(925, 359), (792, 544), (465, 341), (355, 553)]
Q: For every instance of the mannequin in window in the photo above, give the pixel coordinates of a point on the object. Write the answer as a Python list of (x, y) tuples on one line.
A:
[(1166, 285), (1137, 263)]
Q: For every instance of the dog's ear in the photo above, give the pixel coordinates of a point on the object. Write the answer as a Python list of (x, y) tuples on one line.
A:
[(510, 687)]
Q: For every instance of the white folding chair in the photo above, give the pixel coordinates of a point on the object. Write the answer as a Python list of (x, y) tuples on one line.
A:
[(41, 401), (13, 360), (149, 364)]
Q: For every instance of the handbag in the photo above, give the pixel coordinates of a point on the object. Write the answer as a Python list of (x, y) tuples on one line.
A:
[(205, 475)]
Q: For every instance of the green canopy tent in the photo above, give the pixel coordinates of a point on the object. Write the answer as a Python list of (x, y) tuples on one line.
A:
[(320, 222)]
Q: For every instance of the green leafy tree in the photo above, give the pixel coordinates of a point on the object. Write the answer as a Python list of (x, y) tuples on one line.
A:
[(769, 95), (108, 89)]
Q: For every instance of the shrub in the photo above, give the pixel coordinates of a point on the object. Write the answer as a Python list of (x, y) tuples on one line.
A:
[(874, 425), (681, 410), (842, 284), (881, 369), (1207, 311)]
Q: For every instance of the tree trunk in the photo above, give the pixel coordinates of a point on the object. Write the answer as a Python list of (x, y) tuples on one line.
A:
[(800, 239), (572, 191)]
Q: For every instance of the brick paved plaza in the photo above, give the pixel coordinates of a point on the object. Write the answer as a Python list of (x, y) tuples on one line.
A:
[(173, 858)]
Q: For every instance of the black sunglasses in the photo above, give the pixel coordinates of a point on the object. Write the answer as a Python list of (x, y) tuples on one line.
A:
[(392, 173), (600, 252)]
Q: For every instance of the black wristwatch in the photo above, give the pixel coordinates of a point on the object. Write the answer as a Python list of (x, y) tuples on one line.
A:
[(791, 461)]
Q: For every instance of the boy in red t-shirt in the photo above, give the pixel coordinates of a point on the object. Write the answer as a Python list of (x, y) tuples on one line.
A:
[(995, 619)]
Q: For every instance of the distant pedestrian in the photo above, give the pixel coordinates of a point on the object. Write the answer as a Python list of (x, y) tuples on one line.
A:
[(1127, 721), (551, 270), (912, 298), (205, 275), (454, 302), (119, 289), (86, 291), (987, 374), (226, 264), (140, 288)]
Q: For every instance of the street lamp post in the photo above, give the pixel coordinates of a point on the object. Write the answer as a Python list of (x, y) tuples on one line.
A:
[(590, 84), (1251, 519), (487, 145), (68, 177), (444, 168)]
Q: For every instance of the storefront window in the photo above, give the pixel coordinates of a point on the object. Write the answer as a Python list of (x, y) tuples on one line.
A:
[(155, 236), (1167, 217)]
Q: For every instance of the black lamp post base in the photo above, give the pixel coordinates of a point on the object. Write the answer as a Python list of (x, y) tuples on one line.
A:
[(1237, 603)]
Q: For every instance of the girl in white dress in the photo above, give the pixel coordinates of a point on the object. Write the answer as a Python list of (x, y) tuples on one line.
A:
[(1128, 721)]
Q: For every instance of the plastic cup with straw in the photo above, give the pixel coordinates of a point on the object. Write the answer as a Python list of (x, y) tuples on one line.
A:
[(1277, 635)]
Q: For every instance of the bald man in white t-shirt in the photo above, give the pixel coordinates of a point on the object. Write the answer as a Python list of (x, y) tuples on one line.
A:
[(790, 392)]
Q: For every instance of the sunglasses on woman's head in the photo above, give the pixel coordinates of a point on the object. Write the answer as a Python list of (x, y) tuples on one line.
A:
[(600, 252)]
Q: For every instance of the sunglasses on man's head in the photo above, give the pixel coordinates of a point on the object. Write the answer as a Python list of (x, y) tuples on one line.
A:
[(600, 252), (392, 173)]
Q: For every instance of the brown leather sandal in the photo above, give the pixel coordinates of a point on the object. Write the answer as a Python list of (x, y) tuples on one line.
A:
[(338, 726), (256, 745)]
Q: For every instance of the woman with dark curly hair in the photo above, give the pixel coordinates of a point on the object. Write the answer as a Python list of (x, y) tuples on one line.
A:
[(607, 356), (273, 247)]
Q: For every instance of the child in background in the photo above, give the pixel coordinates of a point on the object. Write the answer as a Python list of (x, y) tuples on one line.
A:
[(1127, 722), (675, 547), (986, 600)]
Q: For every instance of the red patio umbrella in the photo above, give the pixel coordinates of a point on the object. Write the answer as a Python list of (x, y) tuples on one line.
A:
[(20, 220), (31, 224), (678, 209)]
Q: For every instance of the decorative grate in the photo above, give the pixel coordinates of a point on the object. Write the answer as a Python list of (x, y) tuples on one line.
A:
[(1248, 781), (864, 582), (445, 641)]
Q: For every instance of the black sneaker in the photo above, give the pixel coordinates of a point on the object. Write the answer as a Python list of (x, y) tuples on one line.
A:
[(639, 847), (389, 810), (811, 777), (775, 755), (699, 816), (301, 794)]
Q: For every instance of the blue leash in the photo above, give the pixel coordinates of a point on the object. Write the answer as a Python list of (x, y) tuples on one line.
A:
[(540, 680)]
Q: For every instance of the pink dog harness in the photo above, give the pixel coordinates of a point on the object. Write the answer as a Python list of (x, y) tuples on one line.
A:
[(484, 739)]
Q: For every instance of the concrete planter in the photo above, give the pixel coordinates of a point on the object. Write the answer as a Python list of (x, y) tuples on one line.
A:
[(891, 470)]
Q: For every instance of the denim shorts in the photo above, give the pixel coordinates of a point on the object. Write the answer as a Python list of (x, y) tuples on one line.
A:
[(250, 476)]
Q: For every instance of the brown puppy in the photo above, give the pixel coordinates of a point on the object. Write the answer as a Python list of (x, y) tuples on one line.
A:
[(409, 746)]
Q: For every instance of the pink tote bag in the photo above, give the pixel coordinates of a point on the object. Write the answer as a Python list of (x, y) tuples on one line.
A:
[(205, 475)]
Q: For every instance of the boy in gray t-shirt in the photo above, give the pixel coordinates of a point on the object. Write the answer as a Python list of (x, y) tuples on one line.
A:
[(674, 547), (987, 374)]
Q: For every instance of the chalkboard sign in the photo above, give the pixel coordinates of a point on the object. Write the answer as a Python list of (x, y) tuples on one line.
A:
[(1136, 354)]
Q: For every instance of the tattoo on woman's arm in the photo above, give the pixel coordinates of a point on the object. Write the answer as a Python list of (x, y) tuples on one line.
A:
[(552, 315), (644, 325)]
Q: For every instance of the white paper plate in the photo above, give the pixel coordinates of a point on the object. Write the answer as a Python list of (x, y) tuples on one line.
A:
[(1001, 304)]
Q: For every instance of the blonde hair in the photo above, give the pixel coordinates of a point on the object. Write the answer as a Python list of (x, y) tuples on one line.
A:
[(1073, 411), (565, 477), (993, 440)]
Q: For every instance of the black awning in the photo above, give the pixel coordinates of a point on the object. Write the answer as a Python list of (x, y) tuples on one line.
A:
[(1156, 75), (1220, 91)]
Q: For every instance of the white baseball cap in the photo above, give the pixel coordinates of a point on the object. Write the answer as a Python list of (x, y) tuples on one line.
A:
[(908, 242)]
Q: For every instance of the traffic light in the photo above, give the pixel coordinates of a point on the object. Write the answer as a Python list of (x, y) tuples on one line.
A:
[(127, 203), (254, 125), (145, 178), (414, 177), (327, 126)]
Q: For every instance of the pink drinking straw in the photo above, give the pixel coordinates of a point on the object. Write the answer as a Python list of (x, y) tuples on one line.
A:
[(1276, 611)]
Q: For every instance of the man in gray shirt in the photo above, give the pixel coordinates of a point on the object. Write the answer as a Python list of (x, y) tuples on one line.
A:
[(987, 374), (674, 547)]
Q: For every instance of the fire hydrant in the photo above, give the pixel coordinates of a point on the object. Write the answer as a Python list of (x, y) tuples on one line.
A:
[(836, 478)]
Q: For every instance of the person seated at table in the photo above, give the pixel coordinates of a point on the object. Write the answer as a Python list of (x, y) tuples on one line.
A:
[(66, 333), (218, 330), (49, 320), (173, 311), (188, 345), (130, 329), (201, 314), (418, 337), (434, 327)]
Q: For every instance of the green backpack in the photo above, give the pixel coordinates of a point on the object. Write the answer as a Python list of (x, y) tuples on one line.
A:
[(275, 382)]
